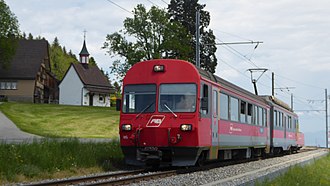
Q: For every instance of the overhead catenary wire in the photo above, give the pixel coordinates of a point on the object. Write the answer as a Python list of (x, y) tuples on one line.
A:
[(154, 4), (237, 53), (164, 2), (119, 6)]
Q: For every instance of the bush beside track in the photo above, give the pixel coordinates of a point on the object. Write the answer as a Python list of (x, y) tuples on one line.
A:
[(52, 158)]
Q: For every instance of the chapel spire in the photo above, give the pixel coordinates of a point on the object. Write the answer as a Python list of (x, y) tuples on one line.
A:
[(84, 53)]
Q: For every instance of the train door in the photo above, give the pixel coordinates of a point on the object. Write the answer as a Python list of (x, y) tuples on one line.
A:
[(215, 123), (284, 126), (285, 131)]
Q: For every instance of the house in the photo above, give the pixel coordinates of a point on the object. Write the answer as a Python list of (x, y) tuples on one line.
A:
[(84, 84), (28, 77)]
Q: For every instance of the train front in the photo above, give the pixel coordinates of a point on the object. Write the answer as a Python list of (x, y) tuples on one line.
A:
[(159, 115)]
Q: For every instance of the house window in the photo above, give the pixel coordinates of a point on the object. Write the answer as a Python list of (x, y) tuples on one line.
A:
[(8, 85), (3, 85), (101, 98), (14, 85)]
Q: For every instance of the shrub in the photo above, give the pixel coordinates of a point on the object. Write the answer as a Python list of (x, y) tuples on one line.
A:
[(49, 156)]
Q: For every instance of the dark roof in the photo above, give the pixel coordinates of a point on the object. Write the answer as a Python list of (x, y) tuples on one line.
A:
[(84, 50), (100, 90), (27, 60), (92, 76)]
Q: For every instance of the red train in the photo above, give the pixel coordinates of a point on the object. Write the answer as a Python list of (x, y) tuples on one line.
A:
[(176, 114)]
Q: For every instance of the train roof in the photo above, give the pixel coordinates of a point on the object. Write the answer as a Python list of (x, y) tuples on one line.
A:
[(274, 101), (269, 100), (227, 84)]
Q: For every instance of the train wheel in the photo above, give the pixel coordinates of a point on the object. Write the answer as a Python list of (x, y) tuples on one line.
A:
[(201, 160)]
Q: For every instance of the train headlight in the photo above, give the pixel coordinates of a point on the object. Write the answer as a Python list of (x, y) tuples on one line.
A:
[(159, 68), (126, 127), (186, 127)]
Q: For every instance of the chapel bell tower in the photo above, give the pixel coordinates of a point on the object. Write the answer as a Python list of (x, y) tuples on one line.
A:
[(84, 55)]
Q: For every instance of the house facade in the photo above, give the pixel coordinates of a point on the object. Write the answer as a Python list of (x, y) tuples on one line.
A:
[(28, 77), (84, 84)]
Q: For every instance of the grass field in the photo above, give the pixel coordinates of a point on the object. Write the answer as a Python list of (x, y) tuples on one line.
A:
[(314, 174), (51, 158), (63, 121), (55, 159)]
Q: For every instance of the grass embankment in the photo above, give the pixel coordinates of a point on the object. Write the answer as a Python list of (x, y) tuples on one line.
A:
[(63, 121), (314, 174), (56, 159)]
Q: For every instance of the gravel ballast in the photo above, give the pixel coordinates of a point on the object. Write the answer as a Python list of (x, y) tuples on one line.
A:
[(241, 174)]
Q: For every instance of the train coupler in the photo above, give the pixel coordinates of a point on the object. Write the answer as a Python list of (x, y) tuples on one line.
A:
[(142, 155)]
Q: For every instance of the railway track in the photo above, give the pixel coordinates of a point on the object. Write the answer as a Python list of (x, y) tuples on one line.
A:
[(136, 176), (108, 179)]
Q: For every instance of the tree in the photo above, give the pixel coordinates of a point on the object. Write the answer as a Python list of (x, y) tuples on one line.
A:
[(92, 61), (59, 59), (155, 37), (30, 37), (9, 34), (117, 87), (184, 11)]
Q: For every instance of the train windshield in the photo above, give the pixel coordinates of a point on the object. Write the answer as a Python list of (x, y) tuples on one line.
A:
[(139, 98), (177, 98)]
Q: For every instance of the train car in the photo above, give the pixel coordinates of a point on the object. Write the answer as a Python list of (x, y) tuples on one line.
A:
[(175, 114), (284, 127), (300, 140)]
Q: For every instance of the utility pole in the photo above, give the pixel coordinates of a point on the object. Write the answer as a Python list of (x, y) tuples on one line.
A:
[(273, 85), (291, 101), (326, 118), (197, 39)]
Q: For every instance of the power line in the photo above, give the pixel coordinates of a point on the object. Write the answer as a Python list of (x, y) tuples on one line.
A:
[(237, 36), (237, 53), (164, 2), (153, 3), (235, 69), (300, 82), (120, 6)]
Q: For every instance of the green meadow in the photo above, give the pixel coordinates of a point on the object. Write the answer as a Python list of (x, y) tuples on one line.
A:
[(50, 120), (57, 158)]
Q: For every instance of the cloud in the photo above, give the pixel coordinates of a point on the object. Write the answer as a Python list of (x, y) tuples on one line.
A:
[(295, 37)]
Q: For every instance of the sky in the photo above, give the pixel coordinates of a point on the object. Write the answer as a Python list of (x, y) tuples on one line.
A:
[(295, 38)]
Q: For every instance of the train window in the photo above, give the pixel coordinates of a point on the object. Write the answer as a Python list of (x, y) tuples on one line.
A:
[(260, 116), (290, 122), (280, 119), (224, 107), (233, 109), (264, 118), (177, 98), (139, 98), (249, 113), (243, 111), (215, 103), (275, 118), (205, 100), (255, 115)]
